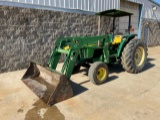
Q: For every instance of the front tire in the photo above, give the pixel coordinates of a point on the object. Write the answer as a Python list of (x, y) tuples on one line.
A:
[(98, 73), (134, 56)]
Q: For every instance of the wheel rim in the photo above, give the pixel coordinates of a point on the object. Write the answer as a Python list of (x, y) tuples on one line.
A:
[(101, 74), (139, 56)]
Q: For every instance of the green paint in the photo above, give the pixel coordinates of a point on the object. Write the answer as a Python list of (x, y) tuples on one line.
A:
[(127, 37), (83, 49), (89, 49)]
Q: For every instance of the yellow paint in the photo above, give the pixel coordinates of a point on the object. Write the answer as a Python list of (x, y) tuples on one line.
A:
[(139, 56), (117, 39), (101, 74), (66, 47)]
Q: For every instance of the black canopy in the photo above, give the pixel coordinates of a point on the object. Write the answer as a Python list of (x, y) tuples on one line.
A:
[(114, 13)]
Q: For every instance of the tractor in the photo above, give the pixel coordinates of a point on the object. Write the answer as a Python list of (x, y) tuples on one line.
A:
[(53, 86)]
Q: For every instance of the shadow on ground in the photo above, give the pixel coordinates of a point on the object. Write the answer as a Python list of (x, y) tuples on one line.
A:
[(77, 88), (150, 59), (149, 65), (117, 68), (113, 68)]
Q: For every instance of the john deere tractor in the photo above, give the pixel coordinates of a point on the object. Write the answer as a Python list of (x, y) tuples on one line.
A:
[(97, 51)]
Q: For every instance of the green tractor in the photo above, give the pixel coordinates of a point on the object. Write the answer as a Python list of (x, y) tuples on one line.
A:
[(97, 51)]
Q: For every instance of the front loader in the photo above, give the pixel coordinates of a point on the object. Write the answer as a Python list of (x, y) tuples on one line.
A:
[(53, 86)]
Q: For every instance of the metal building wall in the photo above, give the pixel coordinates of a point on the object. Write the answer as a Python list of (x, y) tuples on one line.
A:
[(83, 5), (86, 5), (148, 12), (133, 8)]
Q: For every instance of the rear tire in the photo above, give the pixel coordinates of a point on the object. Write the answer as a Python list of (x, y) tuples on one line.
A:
[(98, 73), (134, 56)]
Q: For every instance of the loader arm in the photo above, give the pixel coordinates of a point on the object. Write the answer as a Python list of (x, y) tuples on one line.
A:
[(71, 55), (72, 47), (54, 86)]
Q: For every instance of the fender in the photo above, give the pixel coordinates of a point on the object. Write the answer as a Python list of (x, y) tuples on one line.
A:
[(126, 38)]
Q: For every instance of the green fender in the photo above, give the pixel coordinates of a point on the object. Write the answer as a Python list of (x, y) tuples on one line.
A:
[(127, 38)]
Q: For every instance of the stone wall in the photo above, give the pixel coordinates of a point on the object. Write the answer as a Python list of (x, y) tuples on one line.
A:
[(153, 32), (29, 34)]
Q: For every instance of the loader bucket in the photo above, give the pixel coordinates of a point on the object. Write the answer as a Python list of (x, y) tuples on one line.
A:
[(50, 86)]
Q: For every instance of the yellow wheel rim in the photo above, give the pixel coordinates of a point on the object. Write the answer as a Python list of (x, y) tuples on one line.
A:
[(139, 56), (101, 74)]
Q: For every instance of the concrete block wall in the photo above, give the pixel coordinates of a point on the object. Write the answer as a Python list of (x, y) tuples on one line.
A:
[(153, 32), (29, 34)]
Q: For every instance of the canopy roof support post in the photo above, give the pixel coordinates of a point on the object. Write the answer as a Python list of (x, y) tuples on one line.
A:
[(114, 18), (99, 24), (129, 25)]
